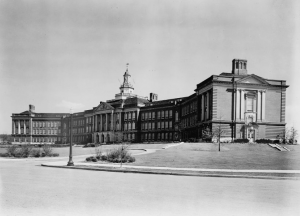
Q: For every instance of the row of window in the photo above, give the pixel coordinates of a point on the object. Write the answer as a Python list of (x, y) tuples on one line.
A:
[(79, 122), (128, 137), (189, 108), (157, 125), (22, 123), (129, 116), (78, 130), (129, 126), (21, 131), (43, 131), (37, 139), (160, 136), (45, 124), (160, 114), (189, 121)]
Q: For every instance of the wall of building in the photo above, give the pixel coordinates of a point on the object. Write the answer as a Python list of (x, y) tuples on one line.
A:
[(273, 105), (223, 102)]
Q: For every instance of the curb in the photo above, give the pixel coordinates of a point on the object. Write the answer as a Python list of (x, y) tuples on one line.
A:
[(173, 173)]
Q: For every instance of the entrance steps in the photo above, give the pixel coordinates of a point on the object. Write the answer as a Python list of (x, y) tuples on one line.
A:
[(279, 147)]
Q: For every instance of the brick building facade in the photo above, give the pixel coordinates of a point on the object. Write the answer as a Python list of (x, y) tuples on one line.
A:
[(231, 101)]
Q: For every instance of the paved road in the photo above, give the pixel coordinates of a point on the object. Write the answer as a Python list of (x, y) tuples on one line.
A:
[(26, 188)]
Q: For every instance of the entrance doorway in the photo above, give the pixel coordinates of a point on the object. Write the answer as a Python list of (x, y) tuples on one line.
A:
[(251, 135)]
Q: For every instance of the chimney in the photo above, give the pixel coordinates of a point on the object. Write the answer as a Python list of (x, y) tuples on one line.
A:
[(239, 66), (153, 97), (31, 108)]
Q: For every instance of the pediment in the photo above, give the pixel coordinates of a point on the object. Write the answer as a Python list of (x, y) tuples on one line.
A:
[(104, 106), (252, 79)]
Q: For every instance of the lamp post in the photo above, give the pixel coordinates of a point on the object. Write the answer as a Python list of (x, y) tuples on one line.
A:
[(70, 162)]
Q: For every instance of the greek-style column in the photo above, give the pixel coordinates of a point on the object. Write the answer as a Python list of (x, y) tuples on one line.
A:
[(112, 121), (96, 124), (93, 124), (208, 107), (243, 104), (263, 101), (258, 105), (13, 127), (202, 107), (100, 118), (106, 118), (238, 104), (30, 130), (24, 125), (120, 121), (19, 127)]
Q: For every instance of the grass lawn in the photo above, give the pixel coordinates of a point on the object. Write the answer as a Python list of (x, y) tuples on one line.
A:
[(232, 156), (79, 150)]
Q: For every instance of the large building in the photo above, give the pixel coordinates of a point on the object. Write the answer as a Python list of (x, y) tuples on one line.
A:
[(230, 101)]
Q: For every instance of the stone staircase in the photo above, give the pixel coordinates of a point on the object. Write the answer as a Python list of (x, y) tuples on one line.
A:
[(279, 147)]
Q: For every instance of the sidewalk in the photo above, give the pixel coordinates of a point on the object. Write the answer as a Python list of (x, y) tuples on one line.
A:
[(233, 173)]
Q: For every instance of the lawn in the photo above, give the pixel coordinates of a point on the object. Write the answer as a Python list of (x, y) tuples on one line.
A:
[(232, 156), (79, 150)]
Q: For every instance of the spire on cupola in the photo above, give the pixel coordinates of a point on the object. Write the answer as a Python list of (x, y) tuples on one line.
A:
[(126, 87)]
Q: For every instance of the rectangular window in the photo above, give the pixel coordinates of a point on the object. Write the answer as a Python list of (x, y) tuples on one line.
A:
[(149, 125), (170, 113), (158, 125), (166, 113), (153, 115), (170, 124), (162, 114), (133, 116), (162, 125), (143, 116), (153, 126), (250, 103), (166, 124), (158, 114)]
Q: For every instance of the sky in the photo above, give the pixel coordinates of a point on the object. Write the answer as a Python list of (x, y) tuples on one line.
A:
[(59, 54)]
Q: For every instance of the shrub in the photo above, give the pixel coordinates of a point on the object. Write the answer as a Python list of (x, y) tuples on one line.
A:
[(119, 155), (12, 150), (241, 141), (94, 159), (25, 150), (47, 150), (88, 159), (35, 153), (98, 157), (103, 157), (53, 155), (4, 154), (263, 141)]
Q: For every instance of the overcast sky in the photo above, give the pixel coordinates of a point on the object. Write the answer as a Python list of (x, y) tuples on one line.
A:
[(62, 54)]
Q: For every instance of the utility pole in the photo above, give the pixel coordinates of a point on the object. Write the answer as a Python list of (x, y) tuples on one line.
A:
[(71, 163)]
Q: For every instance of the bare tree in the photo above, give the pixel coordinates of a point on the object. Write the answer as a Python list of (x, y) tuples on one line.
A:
[(217, 133), (293, 134)]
